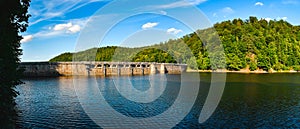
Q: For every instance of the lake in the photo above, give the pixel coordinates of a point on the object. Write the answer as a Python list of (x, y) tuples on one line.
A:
[(248, 101)]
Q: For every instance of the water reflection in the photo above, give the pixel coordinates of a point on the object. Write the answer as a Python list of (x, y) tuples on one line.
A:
[(107, 103), (162, 99), (141, 89), (249, 101), (50, 103)]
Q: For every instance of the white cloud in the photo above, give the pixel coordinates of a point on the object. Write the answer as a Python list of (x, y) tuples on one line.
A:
[(48, 33), (54, 14), (282, 18), (149, 25), (26, 38), (163, 12), (74, 29), (259, 4), (278, 18), (268, 19), (227, 10), (215, 15), (59, 27), (173, 31), (181, 3), (224, 12), (67, 27), (45, 10), (81, 21)]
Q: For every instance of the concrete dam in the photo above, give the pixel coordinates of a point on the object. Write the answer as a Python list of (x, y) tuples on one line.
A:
[(50, 69)]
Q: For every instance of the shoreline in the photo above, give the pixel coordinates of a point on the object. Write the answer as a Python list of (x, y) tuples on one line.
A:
[(241, 71)]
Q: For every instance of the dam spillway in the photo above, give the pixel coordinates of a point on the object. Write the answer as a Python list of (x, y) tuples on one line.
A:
[(49, 69)]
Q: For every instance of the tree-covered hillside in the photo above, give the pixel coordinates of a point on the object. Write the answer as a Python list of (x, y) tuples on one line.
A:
[(260, 44), (252, 43)]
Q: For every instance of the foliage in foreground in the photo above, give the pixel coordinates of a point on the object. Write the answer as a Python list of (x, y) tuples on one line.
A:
[(14, 19)]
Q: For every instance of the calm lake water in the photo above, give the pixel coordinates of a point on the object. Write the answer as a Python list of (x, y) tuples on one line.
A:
[(248, 101)]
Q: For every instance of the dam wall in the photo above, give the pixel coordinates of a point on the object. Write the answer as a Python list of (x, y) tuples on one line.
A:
[(44, 69)]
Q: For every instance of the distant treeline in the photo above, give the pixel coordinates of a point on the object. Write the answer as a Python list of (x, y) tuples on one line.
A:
[(113, 53), (253, 43)]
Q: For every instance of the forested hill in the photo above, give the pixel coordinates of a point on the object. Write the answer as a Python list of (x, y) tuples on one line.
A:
[(252, 43)]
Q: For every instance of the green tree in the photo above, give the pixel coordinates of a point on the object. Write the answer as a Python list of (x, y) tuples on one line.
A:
[(252, 66), (297, 68), (63, 57), (253, 42), (14, 19)]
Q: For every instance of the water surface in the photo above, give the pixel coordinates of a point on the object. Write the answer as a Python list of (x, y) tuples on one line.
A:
[(248, 101)]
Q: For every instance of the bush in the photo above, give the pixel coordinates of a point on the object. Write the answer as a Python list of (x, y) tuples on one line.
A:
[(296, 68), (252, 66)]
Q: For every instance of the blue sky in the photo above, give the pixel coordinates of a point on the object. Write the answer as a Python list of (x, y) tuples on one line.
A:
[(58, 26)]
